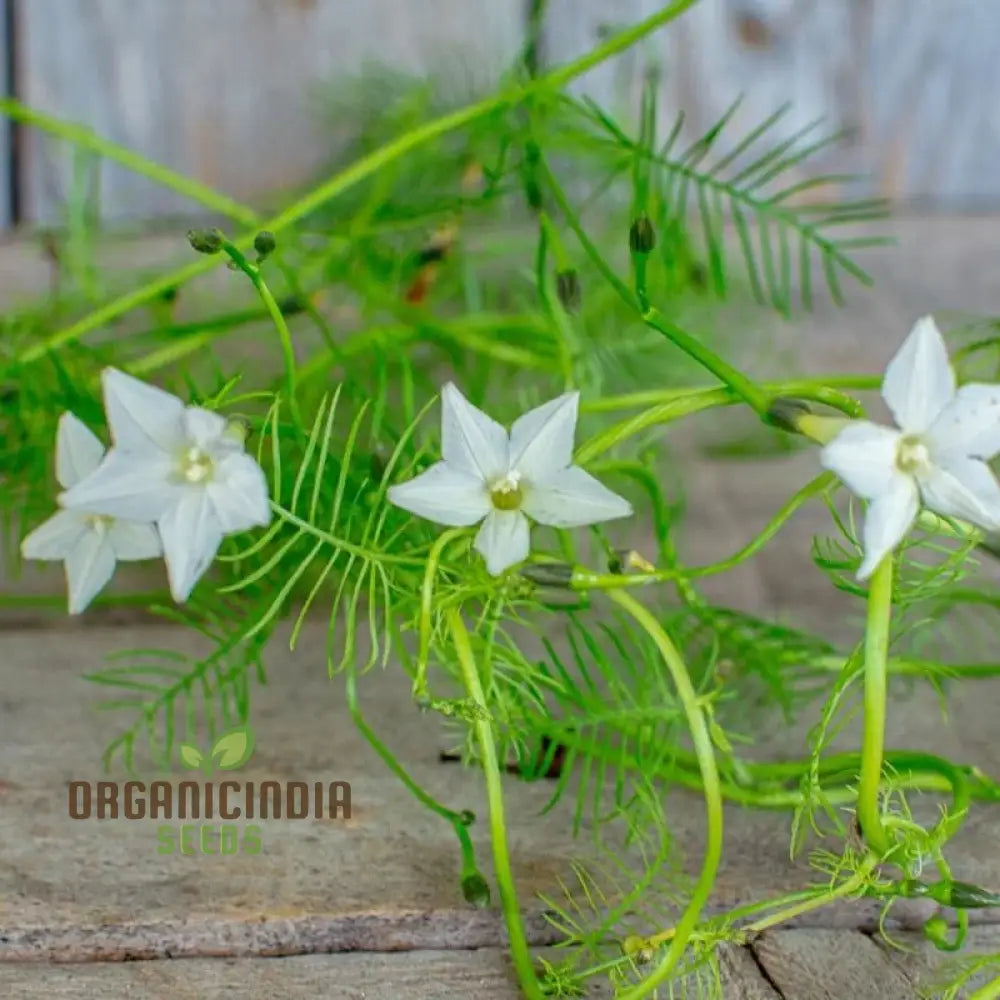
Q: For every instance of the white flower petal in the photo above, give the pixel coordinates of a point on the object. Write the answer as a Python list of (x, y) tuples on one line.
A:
[(963, 488), (88, 568), (56, 537), (191, 536), (444, 495), (471, 442), (863, 455), (542, 440), (239, 494), (132, 541), (970, 423), (919, 381), (141, 416), (503, 540), (78, 451), (203, 427), (136, 486), (573, 498), (887, 521)]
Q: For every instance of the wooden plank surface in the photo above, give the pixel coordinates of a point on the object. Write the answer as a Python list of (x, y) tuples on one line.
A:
[(229, 91), (829, 965), (385, 879), (908, 78), (426, 975)]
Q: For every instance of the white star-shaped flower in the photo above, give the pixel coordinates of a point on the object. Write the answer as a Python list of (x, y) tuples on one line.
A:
[(486, 475), (90, 545), (937, 455), (177, 466)]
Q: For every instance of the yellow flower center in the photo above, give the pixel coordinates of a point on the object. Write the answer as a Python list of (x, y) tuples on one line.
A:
[(505, 493), (912, 454), (196, 465), (100, 522)]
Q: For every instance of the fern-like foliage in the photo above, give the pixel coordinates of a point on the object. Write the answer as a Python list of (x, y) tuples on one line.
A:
[(330, 540), (784, 222), (177, 697)]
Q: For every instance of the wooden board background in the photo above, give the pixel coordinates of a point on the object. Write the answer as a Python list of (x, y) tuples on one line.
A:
[(227, 90)]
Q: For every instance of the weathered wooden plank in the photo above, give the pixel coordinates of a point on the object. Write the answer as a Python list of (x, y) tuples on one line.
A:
[(742, 978), (930, 969), (425, 975), (228, 92), (387, 878), (907, 78), (829, 965)]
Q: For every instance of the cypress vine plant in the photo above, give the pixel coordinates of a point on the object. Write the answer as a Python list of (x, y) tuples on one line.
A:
[(446, 474)]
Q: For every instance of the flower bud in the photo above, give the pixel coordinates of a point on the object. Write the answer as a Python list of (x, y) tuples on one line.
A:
[(568, 289), (642, 235), (936, 931), (206, 240), (264, 243), (786, 413), (468, 817), (550, 574), (292, 305), (476, 890)]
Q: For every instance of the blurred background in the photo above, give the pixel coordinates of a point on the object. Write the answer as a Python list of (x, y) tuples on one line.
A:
[(256, 97)]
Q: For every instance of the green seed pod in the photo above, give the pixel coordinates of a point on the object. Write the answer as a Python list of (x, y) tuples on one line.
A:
[(965, 896), (206, 240), (476, 890), (642, 235)]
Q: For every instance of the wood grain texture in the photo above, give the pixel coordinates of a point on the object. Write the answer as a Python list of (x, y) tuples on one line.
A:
[(910, 79), (427, 975), (929, 969), (829, 965), (385, 880), (226, 91), (741, 976)]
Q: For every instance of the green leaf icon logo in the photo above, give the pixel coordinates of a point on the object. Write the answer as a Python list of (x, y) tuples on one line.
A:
[(190, 755), (233, 749)]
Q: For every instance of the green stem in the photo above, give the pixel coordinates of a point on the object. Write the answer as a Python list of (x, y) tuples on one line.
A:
[(362, 169), (708, 359), (277, 317), (584, 579), (988, 991), (705, 752), (85, 138), (520, 955), (847, 888), (420, 691), (873, 736), (457, 820)]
